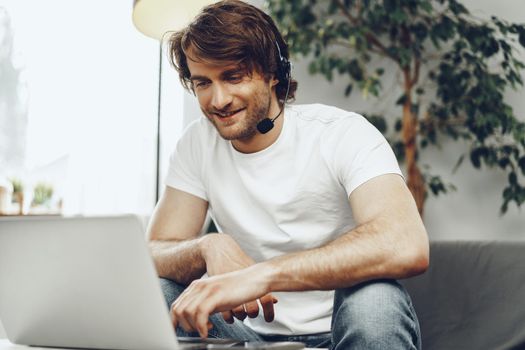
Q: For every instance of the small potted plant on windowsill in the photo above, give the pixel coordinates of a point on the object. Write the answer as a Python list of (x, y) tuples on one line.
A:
[(18, 194), (42, 195)]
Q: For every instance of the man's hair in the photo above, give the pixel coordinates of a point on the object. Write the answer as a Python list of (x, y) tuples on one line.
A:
[(232, 31)]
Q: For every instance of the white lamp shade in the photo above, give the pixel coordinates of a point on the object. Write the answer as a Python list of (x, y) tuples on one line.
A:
[(156, 17)]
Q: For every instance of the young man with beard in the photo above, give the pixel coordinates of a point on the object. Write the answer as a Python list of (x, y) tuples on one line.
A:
[(315, 221)]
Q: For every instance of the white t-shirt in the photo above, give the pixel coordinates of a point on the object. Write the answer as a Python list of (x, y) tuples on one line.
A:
[(289, 197)]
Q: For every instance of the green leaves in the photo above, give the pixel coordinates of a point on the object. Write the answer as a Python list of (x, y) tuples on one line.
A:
[(512, 193), (426, 6), (443, 29), (520, 29), (378, 121), (355, 70), (457, 8), (350, 39), (477, 154), (509, 158), (521, 164), (437, 186), (348, 90)]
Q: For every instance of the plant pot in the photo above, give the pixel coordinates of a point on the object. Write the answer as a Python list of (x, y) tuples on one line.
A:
[(19, 198), (5, 199)]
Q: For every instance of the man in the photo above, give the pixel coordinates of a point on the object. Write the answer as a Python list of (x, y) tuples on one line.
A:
[(314, 204)]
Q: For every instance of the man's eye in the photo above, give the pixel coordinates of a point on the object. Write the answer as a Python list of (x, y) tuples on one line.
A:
[(201, 84), (234, 79)]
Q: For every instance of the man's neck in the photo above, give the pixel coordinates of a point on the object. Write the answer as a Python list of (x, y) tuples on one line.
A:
[(259, 141)]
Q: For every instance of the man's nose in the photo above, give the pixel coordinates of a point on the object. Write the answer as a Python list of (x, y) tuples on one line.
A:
[(221, 97)]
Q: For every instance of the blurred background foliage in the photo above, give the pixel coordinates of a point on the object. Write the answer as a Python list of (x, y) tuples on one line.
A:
[(454, 70)]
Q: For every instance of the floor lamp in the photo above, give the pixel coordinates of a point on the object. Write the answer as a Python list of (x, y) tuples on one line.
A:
[(154, 18)]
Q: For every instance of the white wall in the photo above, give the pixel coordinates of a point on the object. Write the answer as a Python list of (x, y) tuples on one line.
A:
[(473, 211)]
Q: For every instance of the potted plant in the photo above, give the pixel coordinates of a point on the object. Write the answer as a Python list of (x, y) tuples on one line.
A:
[(18, 194), (453, 71)]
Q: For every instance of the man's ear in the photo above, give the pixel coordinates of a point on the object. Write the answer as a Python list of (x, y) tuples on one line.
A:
[(274, 81)]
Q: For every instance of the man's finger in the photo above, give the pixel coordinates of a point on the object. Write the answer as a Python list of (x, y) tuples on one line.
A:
[(173, 318), (185, 324), (239, 312), (267, 302), (182, 314), (177, 319), (202, 322), (252, 309), (228, 316)]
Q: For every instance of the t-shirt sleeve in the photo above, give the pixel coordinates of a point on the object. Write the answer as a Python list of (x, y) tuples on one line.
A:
[(359, 153), (186, 161)]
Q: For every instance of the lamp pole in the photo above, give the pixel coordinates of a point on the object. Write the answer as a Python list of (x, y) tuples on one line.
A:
[(157, 161), (154, 18)]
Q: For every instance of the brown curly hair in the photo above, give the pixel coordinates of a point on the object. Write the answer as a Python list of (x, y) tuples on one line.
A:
[(235, 32)]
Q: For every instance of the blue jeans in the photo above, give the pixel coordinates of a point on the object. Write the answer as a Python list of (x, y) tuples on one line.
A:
[(372, 315)]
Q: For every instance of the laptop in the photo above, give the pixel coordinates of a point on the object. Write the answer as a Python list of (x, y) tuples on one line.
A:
[(88, 282)]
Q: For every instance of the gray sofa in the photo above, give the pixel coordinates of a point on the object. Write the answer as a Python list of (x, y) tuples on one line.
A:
[(472, 296)]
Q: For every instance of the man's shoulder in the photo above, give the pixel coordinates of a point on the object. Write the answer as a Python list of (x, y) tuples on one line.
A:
[(323, 114), (328, 120), (335, 128)]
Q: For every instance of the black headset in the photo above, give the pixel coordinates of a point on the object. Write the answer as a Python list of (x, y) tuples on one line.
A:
[(284, 67), (283, 74)]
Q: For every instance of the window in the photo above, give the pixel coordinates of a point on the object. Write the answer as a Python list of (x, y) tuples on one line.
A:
[(78, 104)]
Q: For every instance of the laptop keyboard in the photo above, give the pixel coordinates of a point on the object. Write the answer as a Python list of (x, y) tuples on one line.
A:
[(188, 343), (209, 343)]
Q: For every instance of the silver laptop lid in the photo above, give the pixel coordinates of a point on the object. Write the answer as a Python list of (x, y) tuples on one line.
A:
[(81, 282)]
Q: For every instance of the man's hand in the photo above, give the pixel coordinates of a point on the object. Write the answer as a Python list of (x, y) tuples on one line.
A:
[(220, 293), (222, 255)]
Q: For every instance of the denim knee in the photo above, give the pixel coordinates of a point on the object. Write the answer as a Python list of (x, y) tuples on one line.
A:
[(171, 290), (374, 315)]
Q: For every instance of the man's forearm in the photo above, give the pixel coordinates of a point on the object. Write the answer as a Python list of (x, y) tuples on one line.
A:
[(180, 261), (365, 253)]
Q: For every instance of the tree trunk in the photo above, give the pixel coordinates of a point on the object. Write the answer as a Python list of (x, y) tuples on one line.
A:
[(415, 181)]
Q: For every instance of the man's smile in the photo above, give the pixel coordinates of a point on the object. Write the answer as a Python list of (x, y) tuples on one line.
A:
[(226, 115)]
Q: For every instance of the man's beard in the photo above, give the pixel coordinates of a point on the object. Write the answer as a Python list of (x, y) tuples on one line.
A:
[(246, 127)]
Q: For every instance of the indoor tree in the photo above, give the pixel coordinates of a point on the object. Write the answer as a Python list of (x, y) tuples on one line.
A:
[(453, 71)]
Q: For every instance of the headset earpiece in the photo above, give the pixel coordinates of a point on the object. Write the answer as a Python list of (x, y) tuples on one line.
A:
[(284, 76), (283, 67)]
